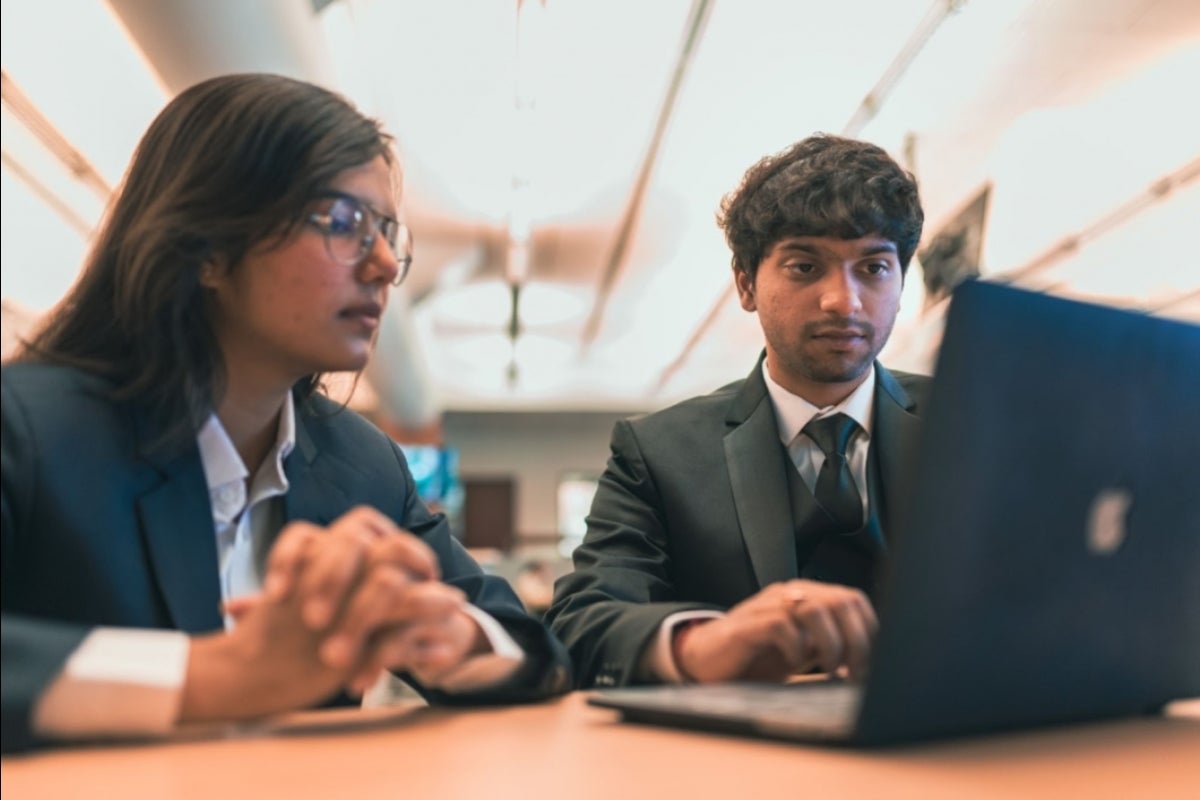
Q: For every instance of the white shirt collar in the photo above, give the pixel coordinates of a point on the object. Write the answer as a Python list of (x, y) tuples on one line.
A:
[(793, 412), (225, 472)]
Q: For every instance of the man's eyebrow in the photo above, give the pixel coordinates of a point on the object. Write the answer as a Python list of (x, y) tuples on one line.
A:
[(876, 249), (804, 247)]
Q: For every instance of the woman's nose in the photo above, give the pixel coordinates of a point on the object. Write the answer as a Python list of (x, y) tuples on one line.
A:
[(380, 263)]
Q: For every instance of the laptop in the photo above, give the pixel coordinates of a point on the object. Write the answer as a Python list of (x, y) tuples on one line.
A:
[(1047, 568)]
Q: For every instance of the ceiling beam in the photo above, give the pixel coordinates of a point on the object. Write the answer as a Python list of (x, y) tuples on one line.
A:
[(23, 109), (187, 41), (47, 196), (1154, 193), (697, 17), (867, 109)]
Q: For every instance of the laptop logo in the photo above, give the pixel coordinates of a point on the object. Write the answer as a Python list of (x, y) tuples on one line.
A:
[(1107, 527)]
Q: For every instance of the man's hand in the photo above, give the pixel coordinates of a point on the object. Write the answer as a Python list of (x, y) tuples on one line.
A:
[(785, 629)]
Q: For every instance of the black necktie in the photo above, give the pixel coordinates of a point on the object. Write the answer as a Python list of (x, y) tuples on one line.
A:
[(835, 491)]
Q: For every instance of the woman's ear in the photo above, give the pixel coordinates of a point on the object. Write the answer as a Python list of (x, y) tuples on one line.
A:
[(213, 272)]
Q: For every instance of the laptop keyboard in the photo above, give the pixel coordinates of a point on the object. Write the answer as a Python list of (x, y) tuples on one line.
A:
[(816, 704), (825, 705)]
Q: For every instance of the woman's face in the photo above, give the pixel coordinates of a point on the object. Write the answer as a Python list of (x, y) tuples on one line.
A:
[(291, 309)]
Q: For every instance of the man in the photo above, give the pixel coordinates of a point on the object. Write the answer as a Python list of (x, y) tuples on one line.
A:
[(730, 539)]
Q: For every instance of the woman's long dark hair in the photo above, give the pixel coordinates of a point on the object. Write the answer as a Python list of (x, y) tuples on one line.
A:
[(229, 163)]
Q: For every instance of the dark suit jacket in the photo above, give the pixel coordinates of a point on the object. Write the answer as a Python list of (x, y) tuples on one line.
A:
[(694, 512), (101, 528)]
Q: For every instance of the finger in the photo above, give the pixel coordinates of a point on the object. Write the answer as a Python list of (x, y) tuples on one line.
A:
[(823, 637), (405, 551), (789, 640), (419, 652), (856, 636), (385, 653), (237, 607), (431, 650), (392, 544), (377, 602), (287, 558), (358, 539), (336, 562), (794, 591), (432, 661), (386, 598), (364, 678)]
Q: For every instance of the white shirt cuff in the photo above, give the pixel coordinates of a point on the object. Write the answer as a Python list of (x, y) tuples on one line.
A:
[(661, 658), (118, 682), (483, 670)]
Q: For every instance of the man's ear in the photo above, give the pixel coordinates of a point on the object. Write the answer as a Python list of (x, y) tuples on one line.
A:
[(745, 289)]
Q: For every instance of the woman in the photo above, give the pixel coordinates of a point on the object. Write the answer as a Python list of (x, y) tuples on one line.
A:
[(166, 455)]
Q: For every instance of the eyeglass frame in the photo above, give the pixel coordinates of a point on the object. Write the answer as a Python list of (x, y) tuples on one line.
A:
[(402, 234)]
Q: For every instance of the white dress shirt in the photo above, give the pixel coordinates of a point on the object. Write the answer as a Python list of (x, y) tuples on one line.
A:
[(122, 681), (792, 413)]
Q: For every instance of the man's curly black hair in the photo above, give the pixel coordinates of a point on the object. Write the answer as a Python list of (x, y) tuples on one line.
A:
[(821, 186)]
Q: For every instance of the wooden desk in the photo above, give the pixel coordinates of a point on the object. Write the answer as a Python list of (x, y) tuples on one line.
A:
[(569, 750)]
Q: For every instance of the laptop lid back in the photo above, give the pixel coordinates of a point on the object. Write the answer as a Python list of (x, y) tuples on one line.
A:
[(1049, 566)]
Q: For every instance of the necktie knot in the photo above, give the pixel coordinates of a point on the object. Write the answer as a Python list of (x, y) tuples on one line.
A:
[(835, 491), (832, 434)]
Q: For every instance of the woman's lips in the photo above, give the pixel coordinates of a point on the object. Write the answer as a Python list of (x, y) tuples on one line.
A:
[(366, 314)]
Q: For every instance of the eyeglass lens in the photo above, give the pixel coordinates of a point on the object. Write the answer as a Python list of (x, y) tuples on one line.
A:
[(350, 227)]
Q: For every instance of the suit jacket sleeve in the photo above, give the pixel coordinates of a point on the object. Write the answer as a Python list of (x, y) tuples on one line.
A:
[(546, 669), (608, 610), (31, 651), (34, 652)]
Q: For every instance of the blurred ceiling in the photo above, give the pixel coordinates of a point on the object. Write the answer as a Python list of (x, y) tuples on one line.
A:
[(577, 150)]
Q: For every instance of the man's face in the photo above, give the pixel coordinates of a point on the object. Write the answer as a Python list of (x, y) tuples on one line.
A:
[(826, 307)]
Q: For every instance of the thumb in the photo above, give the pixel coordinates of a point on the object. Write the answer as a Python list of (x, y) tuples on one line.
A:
[(239, 607)]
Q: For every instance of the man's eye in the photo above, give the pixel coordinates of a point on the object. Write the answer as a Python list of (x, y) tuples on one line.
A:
[(878, 267), (800, 266)]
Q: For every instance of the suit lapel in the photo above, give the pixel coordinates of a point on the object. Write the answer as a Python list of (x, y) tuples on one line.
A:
[(313, 493), (759, 482), (177, 526), (896, 432)]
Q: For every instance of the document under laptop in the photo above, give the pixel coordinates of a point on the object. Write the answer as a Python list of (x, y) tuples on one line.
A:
[(1048, 566)]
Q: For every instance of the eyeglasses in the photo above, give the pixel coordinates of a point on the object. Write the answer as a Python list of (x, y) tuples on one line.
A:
[(350, 226)]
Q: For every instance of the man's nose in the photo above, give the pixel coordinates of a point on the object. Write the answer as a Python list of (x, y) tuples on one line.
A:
[(840, 294)]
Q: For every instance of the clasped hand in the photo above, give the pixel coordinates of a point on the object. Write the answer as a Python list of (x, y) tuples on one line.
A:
[(339, 605)]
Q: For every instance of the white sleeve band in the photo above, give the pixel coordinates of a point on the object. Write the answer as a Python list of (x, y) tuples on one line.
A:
[(661, 658), (119, 681), (484, 670)]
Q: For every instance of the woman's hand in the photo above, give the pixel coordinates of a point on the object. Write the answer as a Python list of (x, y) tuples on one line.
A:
[(368, 591)]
